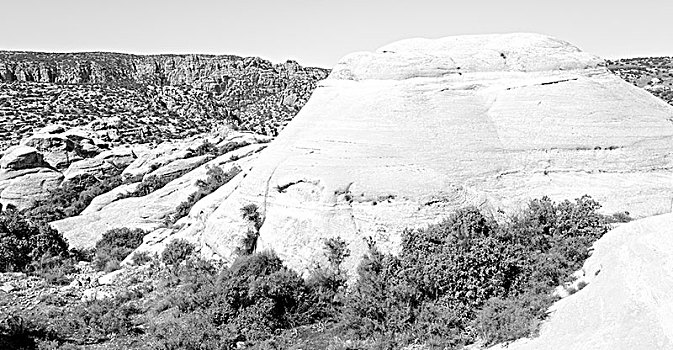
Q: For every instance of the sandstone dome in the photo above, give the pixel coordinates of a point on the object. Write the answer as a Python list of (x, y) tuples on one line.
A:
[(399, 137)]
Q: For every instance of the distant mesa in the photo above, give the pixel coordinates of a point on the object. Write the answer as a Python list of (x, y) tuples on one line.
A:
[(148, 99)]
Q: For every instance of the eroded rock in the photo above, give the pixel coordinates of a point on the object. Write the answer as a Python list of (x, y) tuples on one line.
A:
[(400, 137), (149, 212), (22, 157)]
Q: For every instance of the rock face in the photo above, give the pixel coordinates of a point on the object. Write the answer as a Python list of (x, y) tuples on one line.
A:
[(627, 303), (22, 157), (398, 137), (25, 176)]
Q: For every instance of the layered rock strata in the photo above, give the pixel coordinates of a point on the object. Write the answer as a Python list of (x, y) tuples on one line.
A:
[(399, 137)]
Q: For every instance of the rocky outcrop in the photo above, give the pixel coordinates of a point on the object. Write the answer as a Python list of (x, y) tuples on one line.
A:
[(626, 304), (25, 177), (62, 146), (22, 157), (132, 99), (650, 73), (52, 157), (399, 137), (150, 212)]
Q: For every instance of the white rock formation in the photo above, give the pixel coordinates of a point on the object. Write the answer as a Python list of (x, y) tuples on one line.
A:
[(398, 137), (627, 303)]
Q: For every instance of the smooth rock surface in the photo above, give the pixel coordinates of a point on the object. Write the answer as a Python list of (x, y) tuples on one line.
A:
[(627, 303), (179, 166), (400, 137), (91, 166), (21, 188)]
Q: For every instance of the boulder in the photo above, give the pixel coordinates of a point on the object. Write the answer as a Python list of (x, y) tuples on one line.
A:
[(91, 166), (105, 163), (163, 154), (626, 304), (22, 157), (168, 152), (179, 166), (21, 188), (122, 156), (61, 146), (400, 137), (58, 150), (191, 226), (236, 140)]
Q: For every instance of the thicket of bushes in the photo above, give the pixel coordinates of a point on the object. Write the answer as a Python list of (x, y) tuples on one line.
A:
[(26, 245), (468, 278), (115, 246)]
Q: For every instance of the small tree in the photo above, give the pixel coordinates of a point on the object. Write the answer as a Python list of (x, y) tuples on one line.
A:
[(251, 213)]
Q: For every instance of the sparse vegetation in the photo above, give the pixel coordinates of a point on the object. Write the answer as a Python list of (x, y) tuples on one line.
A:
[(467, 278), (73, 197), (251, 213), (216, 179), (622, 216)]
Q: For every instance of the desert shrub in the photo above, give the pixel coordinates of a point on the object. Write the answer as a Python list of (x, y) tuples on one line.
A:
[(54, 269), (23, 242), (503, 320), (83, 254), (250, 213), (153, 183), (115, 246), (57, 324), (90, 322), (249, 243), (216, 178), (176, 251), (207, 147), (141, 258), (622, 216), (468, 277), (72, 197), (19, 333), (150, 184), (247, 302), (327, 284)]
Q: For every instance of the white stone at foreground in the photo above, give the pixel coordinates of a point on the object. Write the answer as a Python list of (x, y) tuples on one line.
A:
[(627, 305), (401, 137)]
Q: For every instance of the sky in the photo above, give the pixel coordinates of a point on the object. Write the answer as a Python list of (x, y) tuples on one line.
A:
[(320, 32)]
